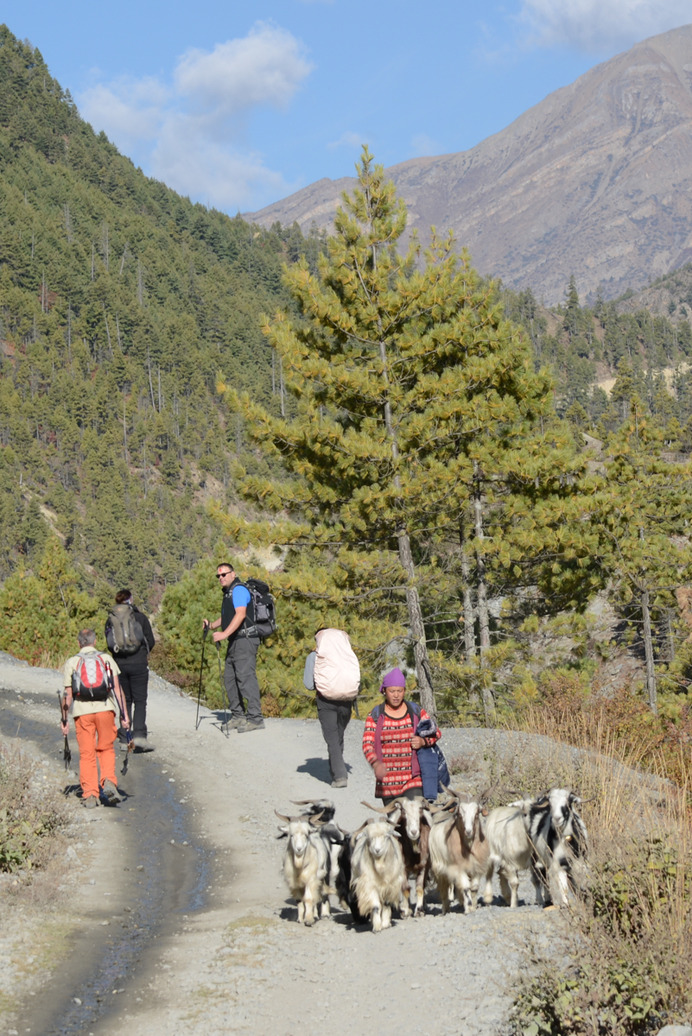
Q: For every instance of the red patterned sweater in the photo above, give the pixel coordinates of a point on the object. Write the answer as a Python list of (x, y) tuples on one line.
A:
[(396, 752)]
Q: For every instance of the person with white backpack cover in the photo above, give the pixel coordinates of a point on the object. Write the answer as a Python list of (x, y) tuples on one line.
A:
[(333, 672)]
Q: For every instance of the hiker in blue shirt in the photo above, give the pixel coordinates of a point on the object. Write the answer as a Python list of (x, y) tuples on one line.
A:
[(235, 626)]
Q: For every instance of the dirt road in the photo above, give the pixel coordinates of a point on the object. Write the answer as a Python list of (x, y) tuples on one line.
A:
[(181, 924)]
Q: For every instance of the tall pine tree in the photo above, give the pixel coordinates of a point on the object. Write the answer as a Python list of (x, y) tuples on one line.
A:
[(403, 374)]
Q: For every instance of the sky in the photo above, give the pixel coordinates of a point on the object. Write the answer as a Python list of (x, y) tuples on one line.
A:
[(238, 105)]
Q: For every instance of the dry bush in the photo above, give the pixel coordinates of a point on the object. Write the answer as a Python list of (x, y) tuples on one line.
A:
[(619, 724), (629, 934), (31, 816)]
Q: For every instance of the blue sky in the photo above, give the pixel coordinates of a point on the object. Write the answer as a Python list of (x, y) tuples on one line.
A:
[(237, 105)]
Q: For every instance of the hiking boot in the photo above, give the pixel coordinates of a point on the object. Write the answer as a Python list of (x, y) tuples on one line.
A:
[(247, 725), (340, 782), (236, 722), (142, 745), (91, 802), (111, 793)]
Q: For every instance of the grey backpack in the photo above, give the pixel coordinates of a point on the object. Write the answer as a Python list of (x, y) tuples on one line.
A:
[(124, 633)]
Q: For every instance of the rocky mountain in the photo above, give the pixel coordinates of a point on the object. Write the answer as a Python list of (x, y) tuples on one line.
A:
[(594, 181)]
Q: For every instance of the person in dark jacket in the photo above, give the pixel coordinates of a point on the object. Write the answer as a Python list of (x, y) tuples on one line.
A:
[(134, 669), (235, 626)]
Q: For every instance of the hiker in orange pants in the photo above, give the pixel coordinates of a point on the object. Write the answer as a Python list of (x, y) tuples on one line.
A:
[(93, 690)]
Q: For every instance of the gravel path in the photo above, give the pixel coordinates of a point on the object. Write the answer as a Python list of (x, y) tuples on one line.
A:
[(240, 962)]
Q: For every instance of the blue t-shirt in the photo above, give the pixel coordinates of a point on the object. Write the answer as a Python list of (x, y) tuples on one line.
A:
[(240, 597)]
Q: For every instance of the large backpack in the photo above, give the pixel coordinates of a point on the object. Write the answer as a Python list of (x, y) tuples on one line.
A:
[(337, 671), (262, 622), (90, 679), (124, 633)]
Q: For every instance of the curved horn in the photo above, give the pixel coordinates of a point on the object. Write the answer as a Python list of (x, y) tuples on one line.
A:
[(282, 816), (386, 810)]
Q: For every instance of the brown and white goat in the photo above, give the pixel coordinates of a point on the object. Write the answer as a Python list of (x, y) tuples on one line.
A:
[(459, 853)]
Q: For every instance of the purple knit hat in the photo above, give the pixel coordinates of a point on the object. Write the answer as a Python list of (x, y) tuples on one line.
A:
[(394, 678)]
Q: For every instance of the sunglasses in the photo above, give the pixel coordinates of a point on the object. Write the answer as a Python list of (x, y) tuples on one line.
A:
[(220, 575)]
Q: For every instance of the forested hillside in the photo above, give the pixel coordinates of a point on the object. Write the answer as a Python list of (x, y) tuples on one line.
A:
[(122, 305)]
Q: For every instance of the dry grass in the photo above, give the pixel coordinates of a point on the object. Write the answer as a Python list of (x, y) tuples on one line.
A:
[(634, 912)]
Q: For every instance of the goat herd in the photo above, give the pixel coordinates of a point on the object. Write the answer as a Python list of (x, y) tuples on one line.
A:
[(456, 841)]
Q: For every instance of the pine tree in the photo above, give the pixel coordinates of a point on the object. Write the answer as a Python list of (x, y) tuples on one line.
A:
[(409, 389), (643, 515)]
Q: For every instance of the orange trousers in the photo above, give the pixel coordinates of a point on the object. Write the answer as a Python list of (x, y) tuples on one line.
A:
[(95, 736)]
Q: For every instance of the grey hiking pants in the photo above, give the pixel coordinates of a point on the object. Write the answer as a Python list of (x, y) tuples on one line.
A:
[(334, 717), (240, 678)]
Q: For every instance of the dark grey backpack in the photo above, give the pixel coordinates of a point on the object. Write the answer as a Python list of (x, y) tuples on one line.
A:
[(124, 633)]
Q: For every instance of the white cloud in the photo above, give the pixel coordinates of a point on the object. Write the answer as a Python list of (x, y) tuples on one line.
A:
[(190, 134), (209, 170), (266, 67), (597, 26), (128, 110), (349, 139)]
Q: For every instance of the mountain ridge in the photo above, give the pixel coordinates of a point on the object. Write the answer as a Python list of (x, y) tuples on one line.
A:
[(594, 181)]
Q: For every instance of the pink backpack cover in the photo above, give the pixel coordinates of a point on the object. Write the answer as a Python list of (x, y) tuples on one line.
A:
[(337, 672)]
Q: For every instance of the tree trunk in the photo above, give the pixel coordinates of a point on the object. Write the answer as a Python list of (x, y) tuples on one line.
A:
[(415, 619), (482, 600), (415, 614), (649, 653), (469, 614)]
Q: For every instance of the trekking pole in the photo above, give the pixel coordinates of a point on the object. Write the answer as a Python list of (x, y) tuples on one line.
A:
[(128, 733), (66, 753), (201, 668), (223, 689)]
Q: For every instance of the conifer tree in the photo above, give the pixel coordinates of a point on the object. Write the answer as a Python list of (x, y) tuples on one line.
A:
[(409, 387), (643, 515)]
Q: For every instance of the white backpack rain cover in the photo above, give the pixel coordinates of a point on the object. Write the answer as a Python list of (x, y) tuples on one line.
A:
[(337, 672)]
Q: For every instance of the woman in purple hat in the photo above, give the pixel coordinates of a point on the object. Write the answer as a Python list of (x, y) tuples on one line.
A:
[(390, 742)]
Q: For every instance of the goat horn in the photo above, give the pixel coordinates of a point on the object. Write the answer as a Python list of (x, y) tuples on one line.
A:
[(386, 810), (281, 816)]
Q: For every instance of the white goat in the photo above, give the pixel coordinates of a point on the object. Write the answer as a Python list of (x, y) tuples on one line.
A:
[(459, 854), (509, 850), (305, 866), (378, 878), (412, 820)]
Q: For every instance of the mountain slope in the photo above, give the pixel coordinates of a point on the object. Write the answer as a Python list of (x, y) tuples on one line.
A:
[(122, 306), (595, 181)]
